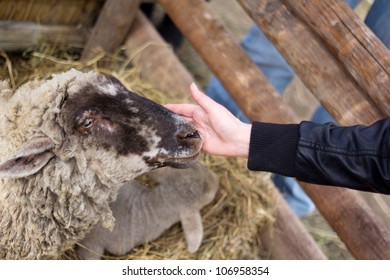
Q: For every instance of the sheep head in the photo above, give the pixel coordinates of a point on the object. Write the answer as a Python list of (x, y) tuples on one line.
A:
[(67, 144), (93, 119)]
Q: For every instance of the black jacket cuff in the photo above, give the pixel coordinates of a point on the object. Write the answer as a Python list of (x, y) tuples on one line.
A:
[(273, 148)]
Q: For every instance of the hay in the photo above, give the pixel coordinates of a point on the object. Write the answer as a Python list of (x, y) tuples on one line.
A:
[(232, 222)]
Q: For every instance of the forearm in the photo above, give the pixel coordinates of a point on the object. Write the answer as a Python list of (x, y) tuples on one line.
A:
[(354, 157)]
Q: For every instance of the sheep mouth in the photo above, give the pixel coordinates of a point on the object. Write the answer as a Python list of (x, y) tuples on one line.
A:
[(175, 162), (182, 162)]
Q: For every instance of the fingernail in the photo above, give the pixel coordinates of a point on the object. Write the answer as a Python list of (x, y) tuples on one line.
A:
[(194, 86)]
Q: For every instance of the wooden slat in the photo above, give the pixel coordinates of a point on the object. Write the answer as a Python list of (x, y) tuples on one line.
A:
[(158, 63), (112, 27), (18, 36), (68, 12)]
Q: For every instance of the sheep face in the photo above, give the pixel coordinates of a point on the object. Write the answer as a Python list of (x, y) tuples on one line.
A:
[(105, 120), (105, 128)]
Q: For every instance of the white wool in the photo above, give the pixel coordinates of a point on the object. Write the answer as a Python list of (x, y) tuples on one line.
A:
[(74, 199)]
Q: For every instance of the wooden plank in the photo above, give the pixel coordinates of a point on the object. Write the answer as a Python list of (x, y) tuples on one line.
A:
[(352, 42), (158, 63), (67, 12), (363, 233), (112, 27), (18, 36), (247, 86)]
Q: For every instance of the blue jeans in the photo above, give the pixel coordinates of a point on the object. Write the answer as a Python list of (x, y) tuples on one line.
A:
[(280, 74)]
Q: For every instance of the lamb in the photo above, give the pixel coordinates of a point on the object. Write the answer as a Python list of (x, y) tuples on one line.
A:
[(67, 144), (179, 196)]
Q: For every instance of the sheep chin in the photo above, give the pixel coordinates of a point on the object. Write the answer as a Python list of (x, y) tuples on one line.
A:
[(174, 162), (182, 163)]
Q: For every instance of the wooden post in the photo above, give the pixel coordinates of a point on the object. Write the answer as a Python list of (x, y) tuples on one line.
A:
[(289, 239), (112, 26), (247, 85), (352, 42)]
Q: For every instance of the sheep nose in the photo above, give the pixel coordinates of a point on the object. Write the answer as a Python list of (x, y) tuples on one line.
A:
[(188, 136)]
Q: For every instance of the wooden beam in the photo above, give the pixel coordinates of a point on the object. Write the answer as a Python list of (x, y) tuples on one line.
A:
[(19, 36), (112, 26), (158, 63), (363, 55), (68, 12), (247, 86), (363, 233)]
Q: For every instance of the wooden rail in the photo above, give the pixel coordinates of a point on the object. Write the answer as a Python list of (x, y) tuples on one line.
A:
[(112, 26)]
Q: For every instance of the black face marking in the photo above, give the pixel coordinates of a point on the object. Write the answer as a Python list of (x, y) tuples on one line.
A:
[(111, 121)]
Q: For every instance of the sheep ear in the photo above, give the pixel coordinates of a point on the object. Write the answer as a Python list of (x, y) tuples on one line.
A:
[(29, 159), (191, 222)]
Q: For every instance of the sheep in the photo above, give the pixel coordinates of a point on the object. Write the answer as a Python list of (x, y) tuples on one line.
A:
[(67, 144), (179, 196)]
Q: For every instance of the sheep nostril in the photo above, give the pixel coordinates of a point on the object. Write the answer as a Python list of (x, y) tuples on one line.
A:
[(188, 136), (194, 135)]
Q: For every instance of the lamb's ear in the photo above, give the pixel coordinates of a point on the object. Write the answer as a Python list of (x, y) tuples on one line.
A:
[(29, 159), (191, 222)]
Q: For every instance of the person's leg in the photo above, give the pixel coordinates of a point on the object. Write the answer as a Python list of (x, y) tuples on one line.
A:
[(352, 3), (268, 59), (295, 196), (216, 91), (378, 20)]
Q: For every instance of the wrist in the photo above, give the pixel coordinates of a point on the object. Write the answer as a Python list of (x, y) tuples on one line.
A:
[(243, 140)]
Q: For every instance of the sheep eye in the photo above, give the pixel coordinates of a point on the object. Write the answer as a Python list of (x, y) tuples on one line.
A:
[(87, 123)]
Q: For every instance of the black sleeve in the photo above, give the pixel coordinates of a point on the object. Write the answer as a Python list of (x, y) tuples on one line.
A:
[(356, 157)]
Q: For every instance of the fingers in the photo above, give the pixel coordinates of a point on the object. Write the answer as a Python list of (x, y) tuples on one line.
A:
[(206, 104), (202, 99)]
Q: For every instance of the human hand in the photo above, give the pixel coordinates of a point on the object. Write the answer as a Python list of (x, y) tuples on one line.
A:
[(222, 133)]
